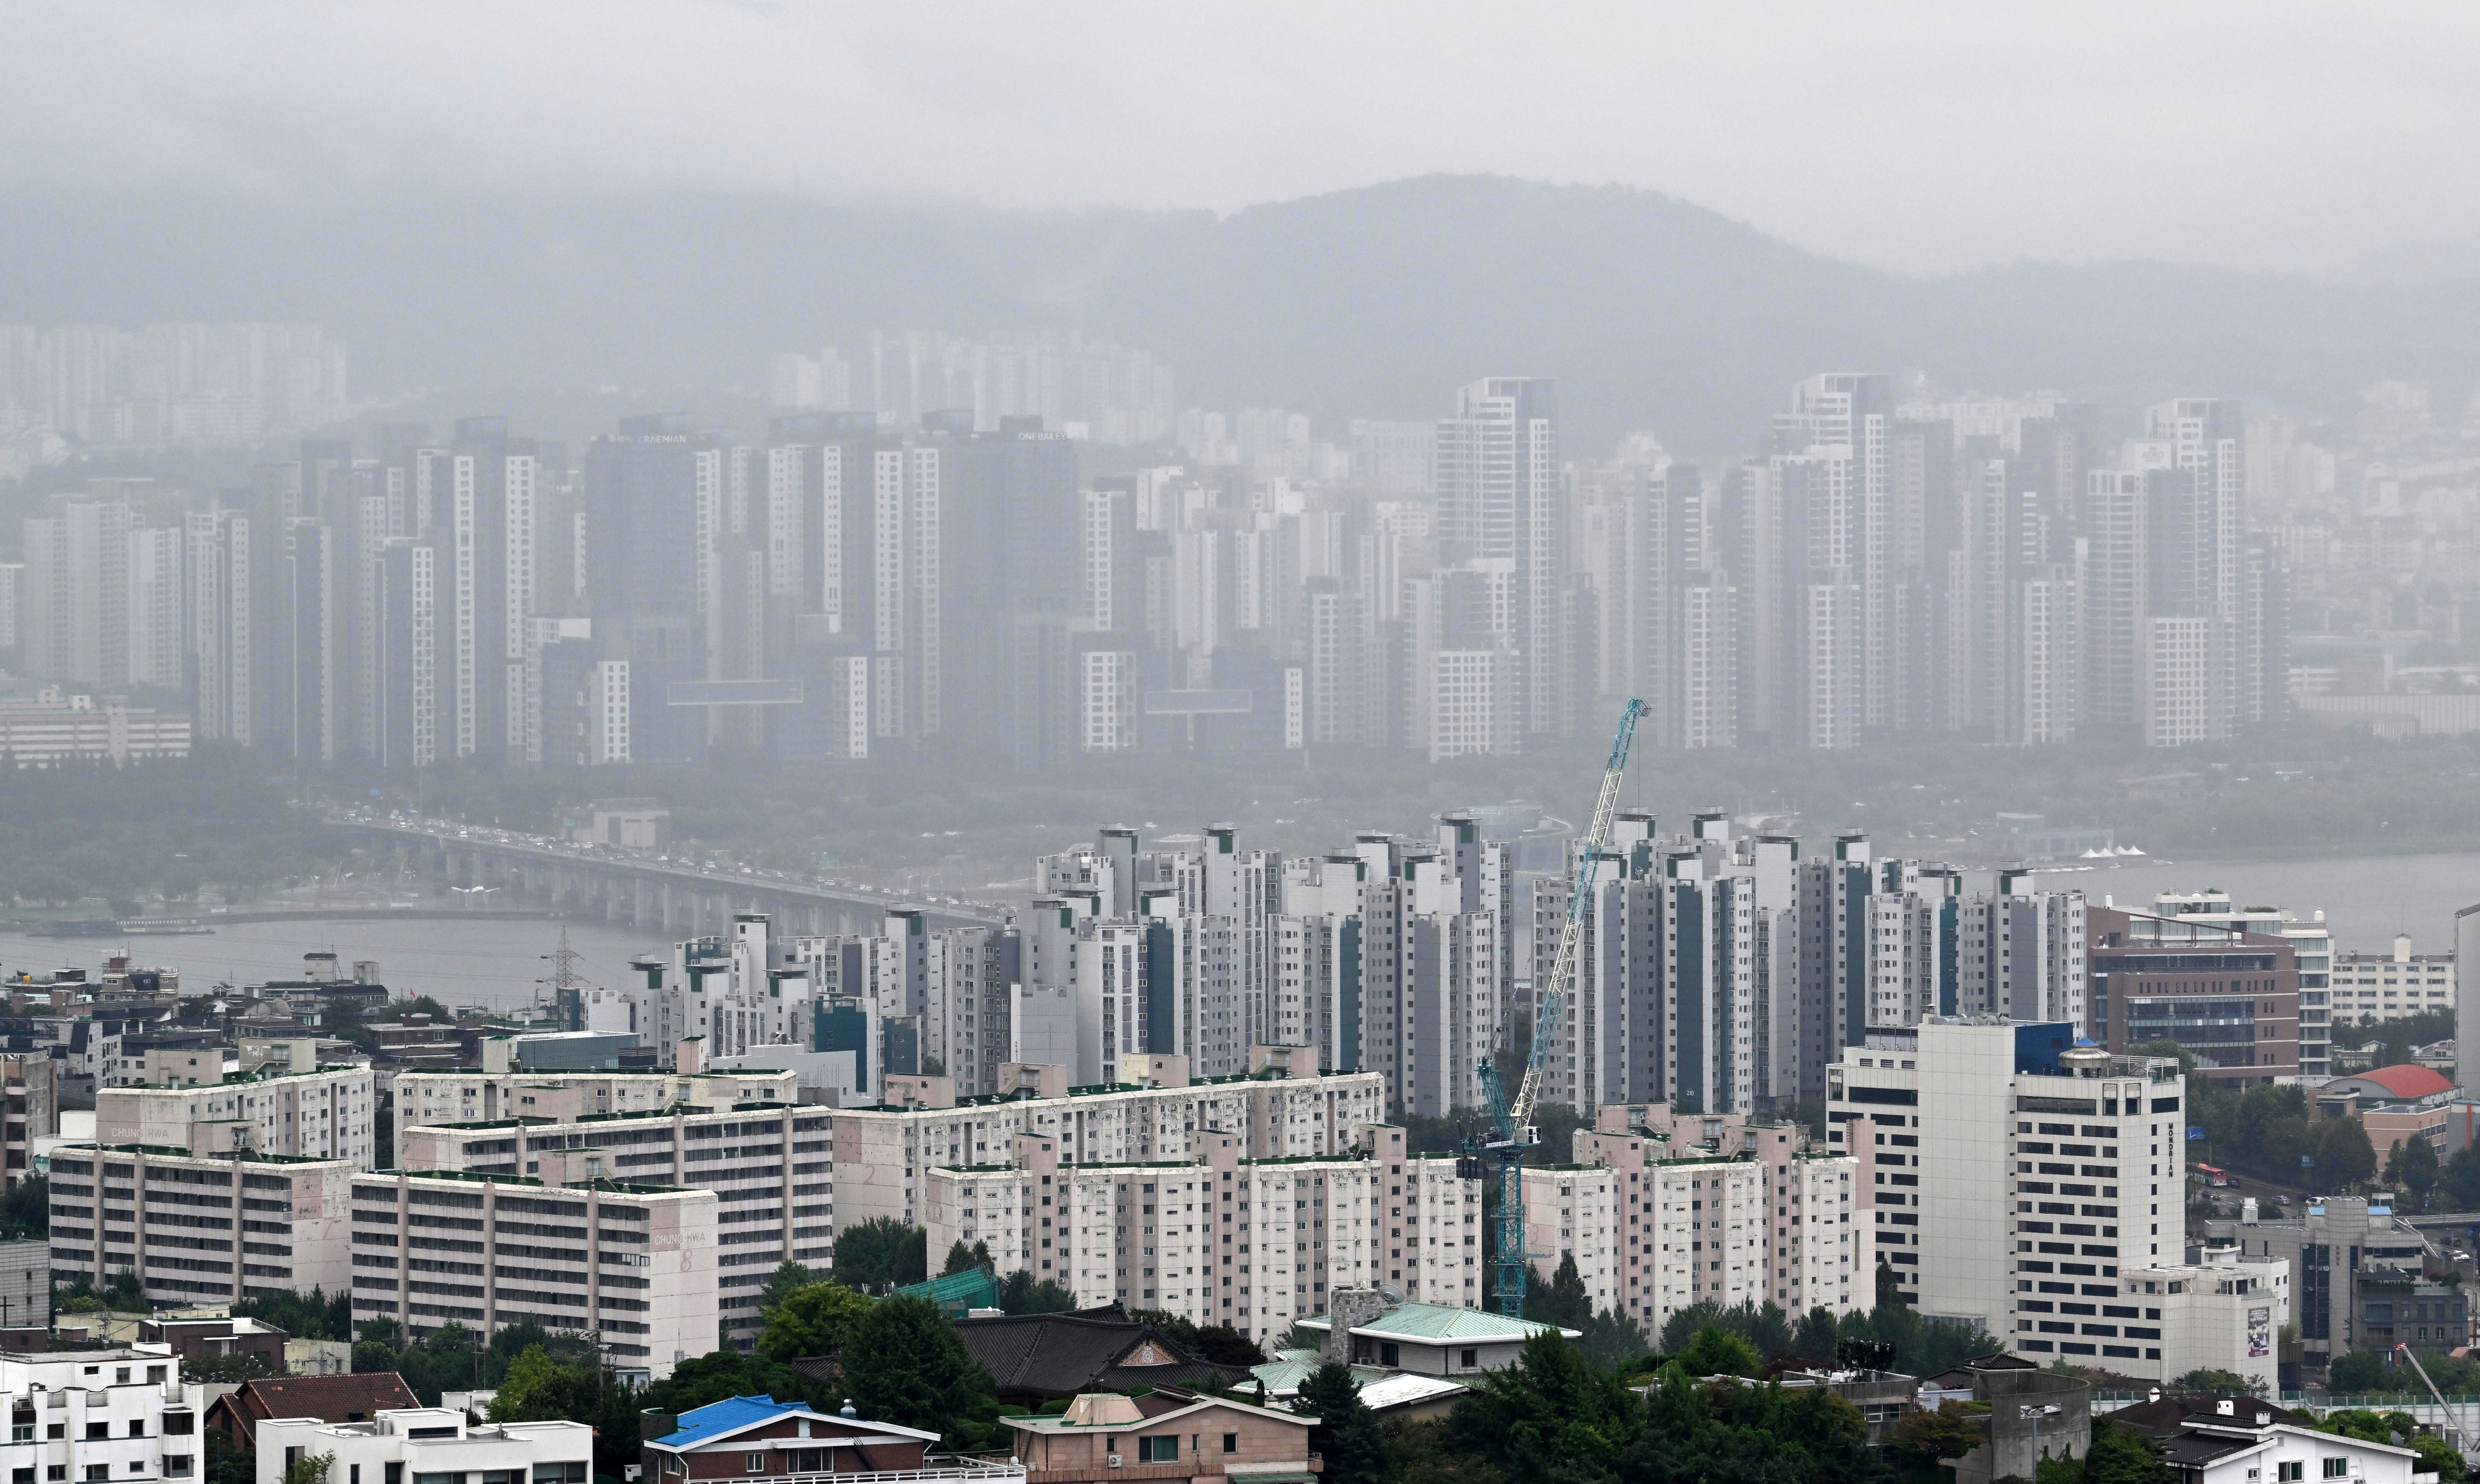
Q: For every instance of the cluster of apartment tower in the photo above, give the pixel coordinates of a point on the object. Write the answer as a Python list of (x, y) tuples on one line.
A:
[(861, 584), (1182, 1081)]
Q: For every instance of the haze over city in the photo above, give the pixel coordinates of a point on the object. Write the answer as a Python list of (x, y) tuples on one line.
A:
[(954, 741)]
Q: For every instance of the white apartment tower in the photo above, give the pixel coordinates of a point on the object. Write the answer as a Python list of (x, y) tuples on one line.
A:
[(1501, 496), (2016, 1171)]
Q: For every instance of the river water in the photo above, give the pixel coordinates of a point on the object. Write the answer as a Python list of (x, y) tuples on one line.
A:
[(2367, 899), (495, 964), (489, 963)]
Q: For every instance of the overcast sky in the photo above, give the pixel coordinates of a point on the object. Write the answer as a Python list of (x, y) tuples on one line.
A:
[(1919, 136)]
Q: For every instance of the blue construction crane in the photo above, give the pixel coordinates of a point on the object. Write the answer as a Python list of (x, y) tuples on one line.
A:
[(1512, 1124)]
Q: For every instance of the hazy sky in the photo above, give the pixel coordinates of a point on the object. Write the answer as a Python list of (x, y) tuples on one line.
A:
[(1920, 137)]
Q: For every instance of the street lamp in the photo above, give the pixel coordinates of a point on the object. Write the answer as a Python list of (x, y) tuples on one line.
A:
[(2029, 1413)]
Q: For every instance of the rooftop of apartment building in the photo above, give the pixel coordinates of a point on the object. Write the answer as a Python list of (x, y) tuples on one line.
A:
[(599, 1184), (222, 1157)]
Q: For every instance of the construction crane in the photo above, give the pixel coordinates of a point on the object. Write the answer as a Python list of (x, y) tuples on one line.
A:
[(2452, 1431), (1512, 1122)]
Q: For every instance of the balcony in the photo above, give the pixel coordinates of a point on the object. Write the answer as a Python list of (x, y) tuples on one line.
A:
[(934, 1470)]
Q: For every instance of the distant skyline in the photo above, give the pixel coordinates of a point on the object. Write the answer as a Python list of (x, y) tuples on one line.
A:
[(1928, 139)]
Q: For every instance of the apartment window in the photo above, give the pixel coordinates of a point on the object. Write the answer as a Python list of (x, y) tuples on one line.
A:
[(180, 1424), (54, 1474), (2337, 1467), (21, 1476), (1164, 1449), (1232, 1442), (98, 1471), (176, 1466), (97, 1430), (573, 1471), (757, 1462), (1470, 1358)]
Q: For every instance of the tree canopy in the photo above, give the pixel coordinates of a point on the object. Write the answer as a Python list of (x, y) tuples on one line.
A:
[(815, 1319)]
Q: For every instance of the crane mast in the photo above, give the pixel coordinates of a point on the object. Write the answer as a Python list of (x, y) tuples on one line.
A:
[(1511, 1122)]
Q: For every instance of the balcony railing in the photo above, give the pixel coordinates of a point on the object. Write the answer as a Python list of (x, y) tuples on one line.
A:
[(935, 1471)]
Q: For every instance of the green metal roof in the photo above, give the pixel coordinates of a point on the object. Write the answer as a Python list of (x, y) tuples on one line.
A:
[(1438, 1323)]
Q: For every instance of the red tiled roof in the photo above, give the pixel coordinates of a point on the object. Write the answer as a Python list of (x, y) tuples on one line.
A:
[(2409, 1080), (341, 1398)]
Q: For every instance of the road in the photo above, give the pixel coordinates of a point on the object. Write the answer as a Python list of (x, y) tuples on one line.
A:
[(944, 911)]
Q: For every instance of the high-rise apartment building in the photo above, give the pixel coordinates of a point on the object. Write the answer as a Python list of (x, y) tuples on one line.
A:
[(1502, 497)]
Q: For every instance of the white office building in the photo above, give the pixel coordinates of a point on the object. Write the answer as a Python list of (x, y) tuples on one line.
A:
[(2017, 1174)]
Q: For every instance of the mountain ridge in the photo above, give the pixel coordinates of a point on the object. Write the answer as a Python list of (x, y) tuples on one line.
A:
[(1653, 311)]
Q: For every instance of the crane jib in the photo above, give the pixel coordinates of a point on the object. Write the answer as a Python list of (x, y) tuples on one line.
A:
[(1511, 1120)]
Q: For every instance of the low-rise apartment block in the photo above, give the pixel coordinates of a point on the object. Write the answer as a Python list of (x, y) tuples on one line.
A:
[(767, 1163), (2392, 985), (1221, 1238), (572, 1251), (475, 1097), (321, 1115), (1283, 1107), (200, 1228), (1662, 1210)]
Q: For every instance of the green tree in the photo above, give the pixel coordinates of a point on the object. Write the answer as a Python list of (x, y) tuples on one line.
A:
[(1815, 1337), (2363, 1373), (2438, 1457), (1346, 1435), (540, 1389), (1930, 1437), (2460, 1184), (1764, 1327), (1550, 1410), (311, 1316), (1698, 1433), (1418, 1453), (309, 1469), (787, 1279), (904, 1365), (1715, 1351), (2341, 1151), (26, 1209), (1562, 1301), (964, 1259), (720, 1375), (1020, 1292), (1178, 1329), (2119, 1456), (1611, 1338), (881, 1253), (226, 1464), (2220, 1383), (1222, 1345), (815, 1320), (2412, 1170)]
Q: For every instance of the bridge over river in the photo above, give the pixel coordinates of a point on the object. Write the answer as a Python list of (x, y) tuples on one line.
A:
[(677, 898)]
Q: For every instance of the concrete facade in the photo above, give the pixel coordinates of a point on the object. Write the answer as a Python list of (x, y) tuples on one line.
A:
[(2010, 1165), (208, 1228), (326, 1115), (636, 1264)]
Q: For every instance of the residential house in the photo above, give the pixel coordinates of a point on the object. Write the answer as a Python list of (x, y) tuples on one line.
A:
[(1167, 1437)]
